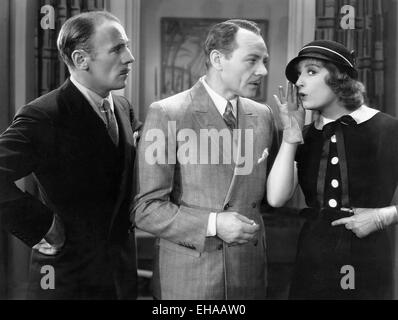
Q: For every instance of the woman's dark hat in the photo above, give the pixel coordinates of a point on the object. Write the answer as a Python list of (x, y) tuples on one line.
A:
[(325, 50)]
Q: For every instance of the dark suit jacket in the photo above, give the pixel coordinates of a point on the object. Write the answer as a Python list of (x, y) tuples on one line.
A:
[(85, 180)]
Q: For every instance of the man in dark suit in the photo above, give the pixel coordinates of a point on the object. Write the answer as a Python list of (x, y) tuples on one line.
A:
[(78, 141)]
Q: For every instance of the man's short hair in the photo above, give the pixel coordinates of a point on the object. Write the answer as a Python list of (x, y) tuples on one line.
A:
[(77, 31), (222, 36)]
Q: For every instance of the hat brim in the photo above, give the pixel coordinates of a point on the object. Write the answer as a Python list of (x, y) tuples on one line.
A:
[(291, 68)]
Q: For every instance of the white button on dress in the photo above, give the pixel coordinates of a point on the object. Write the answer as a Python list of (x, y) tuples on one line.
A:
[(332, 203), (335, 160), (335, 183)]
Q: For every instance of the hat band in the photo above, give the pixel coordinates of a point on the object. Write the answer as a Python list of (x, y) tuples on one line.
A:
[(317, 47)]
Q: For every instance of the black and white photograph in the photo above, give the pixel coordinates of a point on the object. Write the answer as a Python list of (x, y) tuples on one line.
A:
[(195, 156)]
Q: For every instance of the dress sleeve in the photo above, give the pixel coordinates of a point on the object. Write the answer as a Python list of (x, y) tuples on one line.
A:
[(301, 147)]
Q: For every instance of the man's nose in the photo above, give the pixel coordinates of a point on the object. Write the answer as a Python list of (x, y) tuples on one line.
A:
[(262, 70), (129, 58)]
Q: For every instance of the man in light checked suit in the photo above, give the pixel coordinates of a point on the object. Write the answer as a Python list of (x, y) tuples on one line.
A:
[(201, 202)]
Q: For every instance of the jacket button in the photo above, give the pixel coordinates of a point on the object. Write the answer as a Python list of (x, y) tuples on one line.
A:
[(220, 246), (254, 205)]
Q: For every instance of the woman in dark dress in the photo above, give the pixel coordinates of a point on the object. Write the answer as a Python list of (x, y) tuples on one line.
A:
[(346, 163)]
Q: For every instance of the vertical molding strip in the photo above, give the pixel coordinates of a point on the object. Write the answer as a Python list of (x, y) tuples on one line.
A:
[(133, 23), (301, 30), (5, 118), (129, 13), (5, 114)]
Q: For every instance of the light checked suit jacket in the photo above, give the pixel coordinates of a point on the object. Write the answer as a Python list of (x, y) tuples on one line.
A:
[(175, 198)]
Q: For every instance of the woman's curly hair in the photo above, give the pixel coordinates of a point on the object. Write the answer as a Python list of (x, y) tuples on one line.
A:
[(350, 92)]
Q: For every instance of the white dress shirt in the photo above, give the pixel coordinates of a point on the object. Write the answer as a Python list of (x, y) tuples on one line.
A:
[(219, 101)]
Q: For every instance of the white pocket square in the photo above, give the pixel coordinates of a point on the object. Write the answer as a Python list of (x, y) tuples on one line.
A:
[(263, 156), (136, 136)]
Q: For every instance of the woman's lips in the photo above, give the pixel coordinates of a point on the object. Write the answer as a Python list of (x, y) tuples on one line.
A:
[(302, 96)]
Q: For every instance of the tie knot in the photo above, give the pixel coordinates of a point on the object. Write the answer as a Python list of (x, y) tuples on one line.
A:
[(229, 108), (106, 105)]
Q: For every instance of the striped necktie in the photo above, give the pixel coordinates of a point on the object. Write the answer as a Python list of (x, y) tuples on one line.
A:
[(229, 117), (111, 123)]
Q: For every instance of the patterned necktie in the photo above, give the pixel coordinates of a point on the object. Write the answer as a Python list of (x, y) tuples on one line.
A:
[(229, 117), (111, 123)]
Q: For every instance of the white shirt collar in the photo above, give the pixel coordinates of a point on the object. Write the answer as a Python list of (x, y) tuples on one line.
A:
[(362, 114), (93, 98), (219, 101)]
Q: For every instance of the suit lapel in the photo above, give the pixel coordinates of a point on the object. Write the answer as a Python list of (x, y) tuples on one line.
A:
[(84, 118), (87, 121), (126, 144), (247, 123), (125, 130), (205, 112), (207, 116), (247, 120)]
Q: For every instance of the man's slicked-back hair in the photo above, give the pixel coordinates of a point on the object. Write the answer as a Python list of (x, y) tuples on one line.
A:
[(221, 36), (77, 31)]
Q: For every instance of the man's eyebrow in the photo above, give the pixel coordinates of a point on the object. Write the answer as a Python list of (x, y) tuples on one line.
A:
[(253, 55), (257, 56), (122, 43)]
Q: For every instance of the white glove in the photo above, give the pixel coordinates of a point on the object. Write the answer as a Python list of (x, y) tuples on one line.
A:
[(292, 114), (365, 221)]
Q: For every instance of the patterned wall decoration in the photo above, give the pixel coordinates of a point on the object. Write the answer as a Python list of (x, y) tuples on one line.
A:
[(366, 39), (50, 70)]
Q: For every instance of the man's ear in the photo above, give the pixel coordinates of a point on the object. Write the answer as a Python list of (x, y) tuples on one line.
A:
[(216, 59), (80, 59)]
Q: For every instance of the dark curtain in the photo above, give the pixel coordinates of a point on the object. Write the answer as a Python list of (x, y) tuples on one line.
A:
[(366, 39), (3, 260), (51, 71), (4, 117)]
